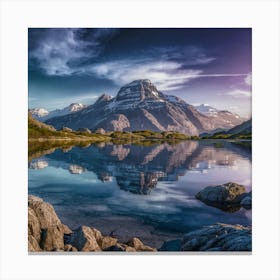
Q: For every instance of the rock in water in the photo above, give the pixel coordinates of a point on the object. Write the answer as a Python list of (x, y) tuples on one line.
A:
[(219, 237), (246, 202), (226, 197)]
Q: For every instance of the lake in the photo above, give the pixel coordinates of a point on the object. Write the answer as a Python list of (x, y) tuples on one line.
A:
[(141, 191)]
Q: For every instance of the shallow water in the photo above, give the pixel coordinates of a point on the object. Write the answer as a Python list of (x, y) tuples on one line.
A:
[(143, 191)]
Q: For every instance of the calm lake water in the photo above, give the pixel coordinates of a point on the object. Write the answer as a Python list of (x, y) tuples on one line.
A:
[(143, 191)]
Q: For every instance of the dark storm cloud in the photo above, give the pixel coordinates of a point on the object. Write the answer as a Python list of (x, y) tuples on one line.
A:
[(199, 65), (64, 51)]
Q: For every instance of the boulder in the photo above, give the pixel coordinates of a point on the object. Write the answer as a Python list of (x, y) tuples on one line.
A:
[(33, 245), (44, 212), (52, 238), (34, 228), (226, 193), (107, 242), (44, 226), (84, 239), (47, 233), (121, 247), (97, 234), (70, 248), (218, 237), (138, 245)]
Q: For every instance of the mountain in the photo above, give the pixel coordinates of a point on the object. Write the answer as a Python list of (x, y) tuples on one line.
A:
[(39, 113), (225, 117), (244, 128), (140, 106), (42, 114)]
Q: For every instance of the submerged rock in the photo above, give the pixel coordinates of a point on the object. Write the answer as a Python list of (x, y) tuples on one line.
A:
[(219, 237)]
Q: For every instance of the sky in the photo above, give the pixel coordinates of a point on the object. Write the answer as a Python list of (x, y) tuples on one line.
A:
[(208, 65)]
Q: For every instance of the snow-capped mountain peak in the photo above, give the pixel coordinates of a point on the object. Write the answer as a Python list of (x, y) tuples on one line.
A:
[(43, 114), (39, 112)]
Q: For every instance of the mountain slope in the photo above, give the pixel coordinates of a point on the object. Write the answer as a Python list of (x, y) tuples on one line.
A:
[(140, 106), (244, 128)]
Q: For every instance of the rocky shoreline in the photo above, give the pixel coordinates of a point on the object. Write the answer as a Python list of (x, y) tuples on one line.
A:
[(46, 233)]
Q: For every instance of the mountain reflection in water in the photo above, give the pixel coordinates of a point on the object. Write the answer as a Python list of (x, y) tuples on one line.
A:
[(160, 182)]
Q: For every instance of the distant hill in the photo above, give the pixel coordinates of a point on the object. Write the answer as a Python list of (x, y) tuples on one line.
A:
[(244, 128), (243, 131), (140, 106), (227, 118)]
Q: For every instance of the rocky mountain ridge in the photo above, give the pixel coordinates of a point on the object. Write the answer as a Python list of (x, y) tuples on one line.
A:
[(140, 106)]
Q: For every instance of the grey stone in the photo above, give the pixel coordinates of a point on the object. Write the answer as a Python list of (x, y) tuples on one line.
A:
[(246, 202), (229, 192), (220, 237)]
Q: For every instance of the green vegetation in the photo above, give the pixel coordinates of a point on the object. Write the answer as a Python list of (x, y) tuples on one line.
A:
[(38, 131), (44, 139), (224, 135)]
